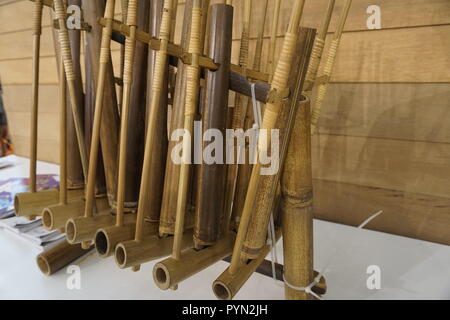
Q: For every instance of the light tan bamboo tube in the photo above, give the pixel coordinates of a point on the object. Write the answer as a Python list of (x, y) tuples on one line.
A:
[(227, 285), (297, 209), (238, 112), (106, 239), (62, 135), (270, 68), (83, 229), (59, 256), (192, 91), (240, 185), (105, 54), (270, 117), (157, 84), (174, 21), (170, 272), (37, 31), (316, 55), (329, 65), (70, 75), (56, 216), (30, 204), (127, 82), (133, 253), (124, 8)]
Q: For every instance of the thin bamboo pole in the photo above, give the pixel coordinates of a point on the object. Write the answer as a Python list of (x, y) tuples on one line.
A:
[(62, 135), (270, 68), (37, 31), (270, 117), (127, 82), (71, 78), (192, 91), (238, 112), (95, 141), (159, 74), (316, 55), (329, 65)]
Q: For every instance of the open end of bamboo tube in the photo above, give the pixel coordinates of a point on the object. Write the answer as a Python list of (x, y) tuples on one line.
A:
[(121, 256), (162, 277), (47, 220), (43, 265), (70, 231), (101, 243), (221, 291)]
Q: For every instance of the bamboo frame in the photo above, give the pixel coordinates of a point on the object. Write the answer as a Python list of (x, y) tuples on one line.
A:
[(270, 117), (329, 65)]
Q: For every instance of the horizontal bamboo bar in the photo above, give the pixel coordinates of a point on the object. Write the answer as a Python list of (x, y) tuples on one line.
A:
[(84, 228), (134, 253), (31, 204), (59, 256)]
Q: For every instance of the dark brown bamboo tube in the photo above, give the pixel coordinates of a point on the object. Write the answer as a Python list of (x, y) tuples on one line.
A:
[(37, 31), (265, 197), (72, 82), (170, 272), (192, 95), (109, 127), (59, 256), (296, 208), (134, 253), (271, 112), (237, 113), (170, 192), (210, 216)]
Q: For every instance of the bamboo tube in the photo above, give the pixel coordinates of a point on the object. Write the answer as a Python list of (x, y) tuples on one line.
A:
[(109, 127), (297, 209), (244, 170), (210, 217), (124, 8), (37, 31), (83, 229), (31, 204), (267, 188), (71, 80), (170, 192), (329, 64), (270, 68), (95, 141), (270, 117), (62, 136), (170, 272), (59, 256), (127, 82), (192, 91), (316, 55), (134, 253), (55, 217), (238, 112)]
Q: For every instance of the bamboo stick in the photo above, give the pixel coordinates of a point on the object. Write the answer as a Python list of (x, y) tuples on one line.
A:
[(124, 8), (237, 113), (329, 65), (297, 209), (316, 55), (192, 91), (270, 68), (270, 117), (37, 31), (71, 78), (62, 136)]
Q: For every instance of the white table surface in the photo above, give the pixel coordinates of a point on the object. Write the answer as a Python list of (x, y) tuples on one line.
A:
[(410, 269)]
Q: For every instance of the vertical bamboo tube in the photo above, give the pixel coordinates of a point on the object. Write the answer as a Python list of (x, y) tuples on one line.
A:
[(244, 170), (37, 31), (210, 216), (238, 112), (267, 188), (124, 8), (316, 55), (329, 65), (59, 256), (270, 68), (109, 128), (270, 117), (192, 91), (62, 136), (71, 81), (296, 208)]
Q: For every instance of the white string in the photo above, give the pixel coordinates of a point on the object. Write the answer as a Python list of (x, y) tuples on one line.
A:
[(308, 289)]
